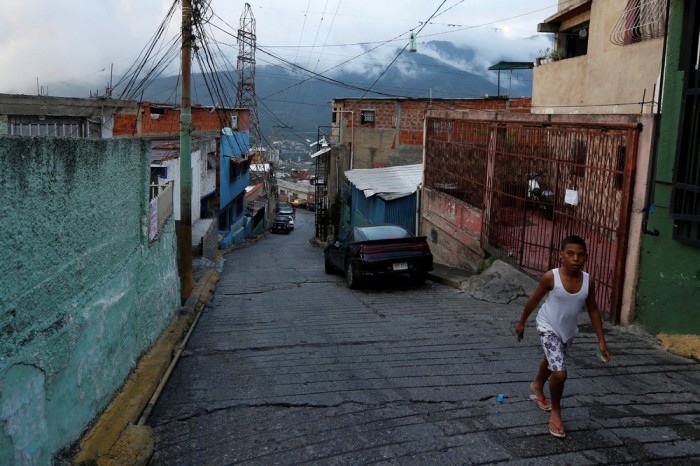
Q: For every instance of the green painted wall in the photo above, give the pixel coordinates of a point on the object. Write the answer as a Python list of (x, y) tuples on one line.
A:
[(668, 293), (82, 292)]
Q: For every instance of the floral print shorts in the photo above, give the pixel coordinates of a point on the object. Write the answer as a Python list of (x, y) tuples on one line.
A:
[(554, 349)]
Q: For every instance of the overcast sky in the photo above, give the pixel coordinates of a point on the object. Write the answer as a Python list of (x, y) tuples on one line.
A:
[(79, 41)]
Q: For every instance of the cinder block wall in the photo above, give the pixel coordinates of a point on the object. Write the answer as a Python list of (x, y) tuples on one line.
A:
[(82, 292)]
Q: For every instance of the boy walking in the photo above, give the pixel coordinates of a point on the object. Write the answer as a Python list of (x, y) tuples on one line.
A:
[(567, 288)]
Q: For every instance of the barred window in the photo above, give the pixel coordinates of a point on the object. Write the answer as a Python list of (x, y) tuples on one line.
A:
[(48, 126), (685, 195), (367, 116), (640, 20)]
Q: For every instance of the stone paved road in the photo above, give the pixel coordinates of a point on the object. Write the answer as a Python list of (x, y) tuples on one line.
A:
[(288, 366)]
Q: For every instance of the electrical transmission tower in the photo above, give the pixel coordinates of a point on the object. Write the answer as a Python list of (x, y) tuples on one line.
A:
[(245, 98), (245, 95)]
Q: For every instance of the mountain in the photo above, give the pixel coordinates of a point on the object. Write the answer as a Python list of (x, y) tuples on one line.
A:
[(292, 97)]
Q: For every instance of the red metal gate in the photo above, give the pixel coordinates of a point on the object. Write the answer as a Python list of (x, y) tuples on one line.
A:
[(588, 169)]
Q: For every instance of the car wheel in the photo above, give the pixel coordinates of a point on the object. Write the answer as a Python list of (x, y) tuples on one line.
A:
[(351, 276), (327, 263)]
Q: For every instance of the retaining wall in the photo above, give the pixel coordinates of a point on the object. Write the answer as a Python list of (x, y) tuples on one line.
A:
[(82, 292)]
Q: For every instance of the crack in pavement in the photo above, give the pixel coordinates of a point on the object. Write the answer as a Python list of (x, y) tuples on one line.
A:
[(290, 405)]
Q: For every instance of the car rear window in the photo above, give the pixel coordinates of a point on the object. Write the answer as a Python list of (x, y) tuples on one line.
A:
[(384, 232)]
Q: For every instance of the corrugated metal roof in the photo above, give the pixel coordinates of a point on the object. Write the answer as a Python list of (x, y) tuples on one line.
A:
[(320, 152), (387, 183)]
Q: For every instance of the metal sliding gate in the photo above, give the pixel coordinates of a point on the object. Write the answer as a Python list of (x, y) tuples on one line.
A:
[(588, 169)]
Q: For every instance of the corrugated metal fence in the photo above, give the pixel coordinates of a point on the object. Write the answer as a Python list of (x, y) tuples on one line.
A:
[(588, 170)]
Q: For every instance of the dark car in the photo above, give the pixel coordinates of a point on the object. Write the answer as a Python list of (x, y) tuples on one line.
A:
[(367, 251), (282, 223)]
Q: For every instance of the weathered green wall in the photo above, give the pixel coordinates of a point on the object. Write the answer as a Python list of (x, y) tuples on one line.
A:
[(668, 294), (82, 292)]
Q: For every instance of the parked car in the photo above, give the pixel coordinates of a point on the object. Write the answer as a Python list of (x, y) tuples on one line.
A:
[(282, 223), (298, 203), (367, 251)]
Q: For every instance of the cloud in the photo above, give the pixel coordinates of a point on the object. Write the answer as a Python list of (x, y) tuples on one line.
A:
[(78, 41)]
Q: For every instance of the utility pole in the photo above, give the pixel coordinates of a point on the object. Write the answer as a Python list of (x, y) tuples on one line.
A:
[(184, 226)]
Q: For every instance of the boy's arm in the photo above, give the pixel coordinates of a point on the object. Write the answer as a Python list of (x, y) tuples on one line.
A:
[(543, 287), (596, 320)]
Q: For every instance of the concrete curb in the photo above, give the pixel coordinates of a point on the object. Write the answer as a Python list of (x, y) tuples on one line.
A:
[(115, 438), (449, 276)]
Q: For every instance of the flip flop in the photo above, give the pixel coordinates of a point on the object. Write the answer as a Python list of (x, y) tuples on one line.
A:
[(542, 404), (557, 430)]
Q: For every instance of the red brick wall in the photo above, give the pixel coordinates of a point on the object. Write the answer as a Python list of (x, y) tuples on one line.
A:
[(412, 112), (155, 119)]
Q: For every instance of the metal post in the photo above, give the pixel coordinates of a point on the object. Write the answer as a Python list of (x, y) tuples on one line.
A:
[(184, 227)]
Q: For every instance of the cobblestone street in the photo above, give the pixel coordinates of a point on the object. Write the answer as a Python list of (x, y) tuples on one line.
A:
[(288, 366)]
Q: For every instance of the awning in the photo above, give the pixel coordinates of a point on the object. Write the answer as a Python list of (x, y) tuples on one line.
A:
[(512, 65), (320, 152)]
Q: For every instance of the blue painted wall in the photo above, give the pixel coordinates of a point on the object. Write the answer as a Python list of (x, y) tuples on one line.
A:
[(82, 291), (375, 210), (234, 146)]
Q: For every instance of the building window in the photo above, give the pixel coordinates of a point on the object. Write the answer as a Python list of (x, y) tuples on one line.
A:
[(68, 127), (237, 168), (640, 20), (574, 41), (685, 194), (367, 117)]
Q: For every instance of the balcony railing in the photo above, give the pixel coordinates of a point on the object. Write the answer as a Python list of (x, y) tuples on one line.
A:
[(161, 207)]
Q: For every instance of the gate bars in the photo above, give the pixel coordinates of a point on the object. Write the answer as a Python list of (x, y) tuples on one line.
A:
[(589, 168)]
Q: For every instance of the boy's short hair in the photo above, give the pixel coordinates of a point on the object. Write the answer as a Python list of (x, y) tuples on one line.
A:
[(573, 239)]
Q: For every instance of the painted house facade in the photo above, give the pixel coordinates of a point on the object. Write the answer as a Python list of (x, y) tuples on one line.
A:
[(669, 280), (608, 56), (220, 168), (40, 115), (589, 140)]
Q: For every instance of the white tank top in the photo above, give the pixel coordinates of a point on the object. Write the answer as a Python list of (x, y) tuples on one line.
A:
[(560, 310)]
